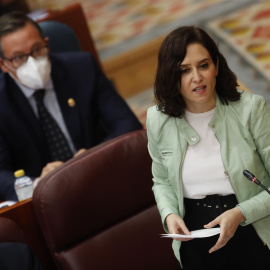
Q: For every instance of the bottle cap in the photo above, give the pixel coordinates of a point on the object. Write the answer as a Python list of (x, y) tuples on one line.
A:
[(19, 173)]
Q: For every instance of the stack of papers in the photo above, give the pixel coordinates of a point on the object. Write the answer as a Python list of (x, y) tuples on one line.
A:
[(195, 234)]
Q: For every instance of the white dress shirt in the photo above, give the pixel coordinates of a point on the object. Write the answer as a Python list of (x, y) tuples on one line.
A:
[(51, 103), (203, 171)]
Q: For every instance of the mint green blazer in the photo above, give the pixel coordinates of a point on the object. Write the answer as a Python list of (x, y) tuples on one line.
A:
[(243, 131)]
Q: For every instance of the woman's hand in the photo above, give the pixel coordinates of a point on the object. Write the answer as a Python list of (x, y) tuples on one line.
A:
[(229, 222), (176, 225)]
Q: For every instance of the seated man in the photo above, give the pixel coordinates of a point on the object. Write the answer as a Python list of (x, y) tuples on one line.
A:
[(51, 105)]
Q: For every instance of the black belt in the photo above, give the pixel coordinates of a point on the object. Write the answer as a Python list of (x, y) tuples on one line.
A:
[(211, 202)]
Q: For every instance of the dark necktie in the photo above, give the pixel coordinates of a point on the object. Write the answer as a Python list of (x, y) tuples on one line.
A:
[(57, 142)]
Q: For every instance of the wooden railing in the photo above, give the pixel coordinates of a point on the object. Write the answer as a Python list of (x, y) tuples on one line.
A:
[(18, 223)]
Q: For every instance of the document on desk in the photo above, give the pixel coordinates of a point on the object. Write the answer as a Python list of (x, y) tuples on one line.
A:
[(195, 234), (6, 204)]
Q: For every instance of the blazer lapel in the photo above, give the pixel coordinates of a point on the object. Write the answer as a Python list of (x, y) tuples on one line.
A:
[(66, 95), (20, 106)]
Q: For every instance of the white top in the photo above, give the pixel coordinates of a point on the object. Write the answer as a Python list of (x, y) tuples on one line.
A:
[(203, 171), (51, 103)]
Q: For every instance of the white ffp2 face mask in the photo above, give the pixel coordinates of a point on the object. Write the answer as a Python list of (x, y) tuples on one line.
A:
[(35, 73)]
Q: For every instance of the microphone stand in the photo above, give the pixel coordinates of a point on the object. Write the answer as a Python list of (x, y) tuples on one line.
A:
[(264, 187), (251, 177)]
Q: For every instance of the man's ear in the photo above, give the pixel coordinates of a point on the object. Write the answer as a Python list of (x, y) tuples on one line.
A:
[(3, 66)]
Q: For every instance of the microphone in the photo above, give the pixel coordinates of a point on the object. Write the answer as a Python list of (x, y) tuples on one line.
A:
[(251, 177)]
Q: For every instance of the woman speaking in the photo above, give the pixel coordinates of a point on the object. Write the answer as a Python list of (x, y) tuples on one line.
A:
[(202, 134)]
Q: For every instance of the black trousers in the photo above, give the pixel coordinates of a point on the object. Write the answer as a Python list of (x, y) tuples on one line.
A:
[(244, 250)]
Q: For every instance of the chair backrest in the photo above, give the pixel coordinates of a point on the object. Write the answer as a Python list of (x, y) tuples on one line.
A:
[(62, 37), (74, 17), (98, 211)]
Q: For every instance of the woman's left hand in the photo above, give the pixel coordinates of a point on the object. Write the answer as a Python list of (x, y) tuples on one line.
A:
[(229, 222)]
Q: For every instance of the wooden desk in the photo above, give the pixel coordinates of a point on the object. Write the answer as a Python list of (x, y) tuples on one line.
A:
[(18, 223)]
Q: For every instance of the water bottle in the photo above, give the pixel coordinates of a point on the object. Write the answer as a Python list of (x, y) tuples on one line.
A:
[(23, 185)]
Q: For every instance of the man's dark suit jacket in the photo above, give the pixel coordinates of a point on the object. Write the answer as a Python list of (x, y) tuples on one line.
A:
[(76, 76)]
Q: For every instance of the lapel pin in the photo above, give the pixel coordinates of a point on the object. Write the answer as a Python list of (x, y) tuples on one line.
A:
[(71, 102)]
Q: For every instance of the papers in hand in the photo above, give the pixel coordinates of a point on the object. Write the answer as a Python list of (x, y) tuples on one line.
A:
[(195, 234)]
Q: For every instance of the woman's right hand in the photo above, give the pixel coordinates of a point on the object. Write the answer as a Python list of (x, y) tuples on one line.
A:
[(176, 225)]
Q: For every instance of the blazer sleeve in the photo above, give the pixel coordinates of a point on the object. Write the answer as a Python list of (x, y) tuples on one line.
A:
[(7, 179), (115, 115), (164, 193), (258, 206)]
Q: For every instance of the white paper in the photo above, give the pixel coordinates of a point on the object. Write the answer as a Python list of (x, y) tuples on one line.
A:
[(6, 203), (195, 234)]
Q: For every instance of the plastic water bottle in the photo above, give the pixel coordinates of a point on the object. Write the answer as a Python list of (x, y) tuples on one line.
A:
[(23, 185)]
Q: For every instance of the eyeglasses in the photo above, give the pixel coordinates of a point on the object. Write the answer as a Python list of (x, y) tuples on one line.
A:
[(19, 60)]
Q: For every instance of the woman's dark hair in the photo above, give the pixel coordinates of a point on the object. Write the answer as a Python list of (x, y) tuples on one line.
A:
[(168, 76)]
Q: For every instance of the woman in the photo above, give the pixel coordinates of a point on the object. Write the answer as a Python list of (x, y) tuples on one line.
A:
[(202, 135)]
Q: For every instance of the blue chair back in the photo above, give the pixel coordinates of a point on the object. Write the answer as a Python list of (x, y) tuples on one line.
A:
[(62, 37)]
